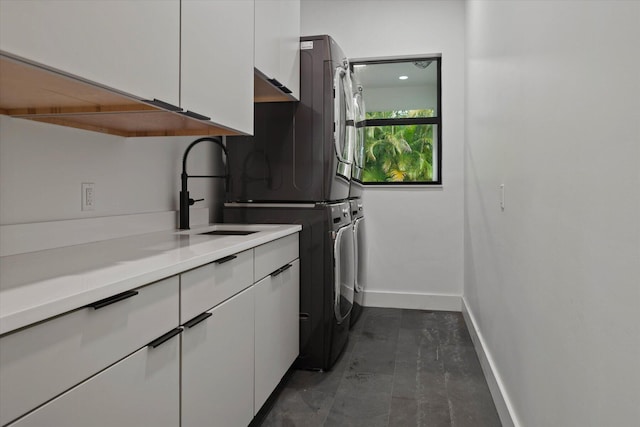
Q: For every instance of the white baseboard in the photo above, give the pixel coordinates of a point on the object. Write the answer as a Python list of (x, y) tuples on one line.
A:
[(414, 301), (22, 238), (496, 386)]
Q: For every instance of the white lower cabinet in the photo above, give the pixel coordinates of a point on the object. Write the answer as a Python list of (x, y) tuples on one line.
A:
[(217, 365), (46, 359), (276, 328), (140, 390), (93, 366)]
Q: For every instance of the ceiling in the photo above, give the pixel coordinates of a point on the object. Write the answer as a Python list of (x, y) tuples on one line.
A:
[(375, 75)]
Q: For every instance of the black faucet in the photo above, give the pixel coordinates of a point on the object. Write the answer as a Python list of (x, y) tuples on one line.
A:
[(185, 201)]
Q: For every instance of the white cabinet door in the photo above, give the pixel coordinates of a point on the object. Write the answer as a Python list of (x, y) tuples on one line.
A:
[(276, 329), (131, 46), (267, 37), (290, 46), (217, 61), (277, 41), (48, 358), (141, 390), (217, 365)]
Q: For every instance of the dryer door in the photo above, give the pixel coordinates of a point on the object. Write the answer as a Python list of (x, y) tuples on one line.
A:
[(360, 248), (343, 264)]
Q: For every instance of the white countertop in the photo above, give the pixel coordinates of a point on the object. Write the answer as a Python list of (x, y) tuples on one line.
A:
[(38, 285)]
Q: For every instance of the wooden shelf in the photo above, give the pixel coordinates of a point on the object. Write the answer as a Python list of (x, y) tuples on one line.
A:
[(135, 123), (34, 92)]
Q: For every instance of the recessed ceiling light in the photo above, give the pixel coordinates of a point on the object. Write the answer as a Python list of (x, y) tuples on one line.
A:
[(403, 77), (359, 65)]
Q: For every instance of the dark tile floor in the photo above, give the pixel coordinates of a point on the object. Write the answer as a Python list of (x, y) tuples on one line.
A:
[(400, 368)]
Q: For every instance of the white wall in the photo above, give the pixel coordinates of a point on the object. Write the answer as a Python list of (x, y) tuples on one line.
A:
[(42, 167), (553, 281), (415, 236)]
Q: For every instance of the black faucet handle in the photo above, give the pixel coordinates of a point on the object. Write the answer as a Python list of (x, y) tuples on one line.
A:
[(193, 201)]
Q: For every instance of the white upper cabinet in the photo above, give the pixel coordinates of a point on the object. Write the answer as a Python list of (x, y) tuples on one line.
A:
[(277, 41), (130, 46), (192, 54), (267, 37), (217, 61), (290, 46)]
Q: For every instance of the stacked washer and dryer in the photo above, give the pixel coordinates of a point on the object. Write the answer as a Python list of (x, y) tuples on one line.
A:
[(298, 169)]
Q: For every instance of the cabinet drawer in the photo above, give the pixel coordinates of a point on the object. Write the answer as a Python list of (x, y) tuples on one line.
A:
[(273, 255), (44, 360), (141, 390), (205, 287)]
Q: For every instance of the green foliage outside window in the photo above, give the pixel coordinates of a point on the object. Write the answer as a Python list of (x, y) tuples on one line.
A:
[(399, 153)]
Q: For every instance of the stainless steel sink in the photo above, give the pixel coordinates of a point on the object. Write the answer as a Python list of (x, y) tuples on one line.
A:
[(229, 232)]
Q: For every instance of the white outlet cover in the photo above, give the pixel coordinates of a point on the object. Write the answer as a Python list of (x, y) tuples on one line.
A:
[(88, 196)]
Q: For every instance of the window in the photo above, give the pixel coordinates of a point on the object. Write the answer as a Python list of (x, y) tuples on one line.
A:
[(402, 128)]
